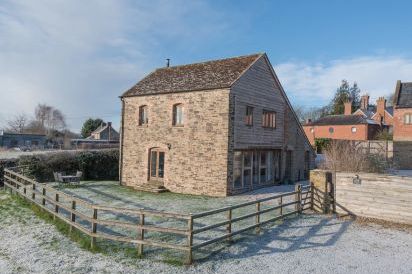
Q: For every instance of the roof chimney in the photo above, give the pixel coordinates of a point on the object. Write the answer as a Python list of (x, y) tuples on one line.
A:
[(348, 107), (168, 62), (381, 106), (364, 102)]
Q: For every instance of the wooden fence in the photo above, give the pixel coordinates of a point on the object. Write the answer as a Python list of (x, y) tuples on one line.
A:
[(99, 221)]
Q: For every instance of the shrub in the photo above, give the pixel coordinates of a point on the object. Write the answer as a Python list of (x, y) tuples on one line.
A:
[(5, 164), (95, 165), (346, 156)]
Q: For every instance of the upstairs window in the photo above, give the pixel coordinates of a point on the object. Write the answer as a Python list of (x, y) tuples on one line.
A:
[(143, 118), (331, 130), (269, 119), (178, 115), (249, 116), (408, 119)]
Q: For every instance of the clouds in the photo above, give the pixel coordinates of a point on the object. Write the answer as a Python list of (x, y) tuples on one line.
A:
[(79, 56), (314, 84)]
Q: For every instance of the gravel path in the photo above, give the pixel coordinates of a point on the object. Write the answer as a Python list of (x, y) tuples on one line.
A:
[(312, 243)]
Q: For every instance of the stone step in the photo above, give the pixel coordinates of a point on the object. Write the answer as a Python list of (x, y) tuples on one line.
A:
[(150, 187)]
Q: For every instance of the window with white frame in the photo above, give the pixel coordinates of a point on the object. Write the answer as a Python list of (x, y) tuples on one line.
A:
[(178, 115), (143, 118), (407, 119)]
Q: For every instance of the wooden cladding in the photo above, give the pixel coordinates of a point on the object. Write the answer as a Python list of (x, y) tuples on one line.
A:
[(269, 119)]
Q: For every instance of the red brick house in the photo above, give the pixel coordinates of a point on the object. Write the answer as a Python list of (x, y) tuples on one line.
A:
[(402, 125), (379, 112), (342, 127)]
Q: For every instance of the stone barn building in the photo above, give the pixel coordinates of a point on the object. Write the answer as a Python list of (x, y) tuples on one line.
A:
[(214, 128)]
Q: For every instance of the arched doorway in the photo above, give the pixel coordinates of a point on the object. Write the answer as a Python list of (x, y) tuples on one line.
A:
[(156, 164)]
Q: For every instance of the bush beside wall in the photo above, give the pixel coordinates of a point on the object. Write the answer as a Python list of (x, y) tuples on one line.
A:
[(95, 165)]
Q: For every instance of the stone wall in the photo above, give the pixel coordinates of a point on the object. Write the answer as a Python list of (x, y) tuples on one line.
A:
[(197, 161)]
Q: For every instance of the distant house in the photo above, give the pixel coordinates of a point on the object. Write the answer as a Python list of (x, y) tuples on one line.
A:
[(214, 128), (103, 137), (381, 113), (10, 140), (343, 127), (104, 132)]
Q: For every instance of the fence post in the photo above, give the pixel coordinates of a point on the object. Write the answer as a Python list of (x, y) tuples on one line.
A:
[(190, 240), (258, 217), (43, 202), (229, 225), (56, 207), (33, 195), (281, 205), (298, 198), (73, 215), (312, 186), (141, 235), (94, 228)]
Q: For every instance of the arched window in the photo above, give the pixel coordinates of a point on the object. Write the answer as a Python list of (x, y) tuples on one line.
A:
[(407, 119), (178, 115), (143, 118)]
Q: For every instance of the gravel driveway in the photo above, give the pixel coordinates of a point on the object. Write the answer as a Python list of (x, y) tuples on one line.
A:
[(310, 244)]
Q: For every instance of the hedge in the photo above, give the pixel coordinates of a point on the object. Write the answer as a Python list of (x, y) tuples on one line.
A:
[(95, 165)]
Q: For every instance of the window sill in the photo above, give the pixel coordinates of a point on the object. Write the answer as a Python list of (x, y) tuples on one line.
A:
[(178, 125)]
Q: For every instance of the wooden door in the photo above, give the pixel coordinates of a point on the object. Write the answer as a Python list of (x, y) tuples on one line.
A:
[(156, 164)]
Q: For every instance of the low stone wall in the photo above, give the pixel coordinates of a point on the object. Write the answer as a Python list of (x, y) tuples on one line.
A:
[(370, 195)]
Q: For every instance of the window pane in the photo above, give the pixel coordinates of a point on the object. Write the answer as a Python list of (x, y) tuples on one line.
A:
[(263, 158), (153, 163), (237, 170), (161, 164), (246, 177), (249, 115), (263, 175), (247, 161), (269, 166), (255, 168)]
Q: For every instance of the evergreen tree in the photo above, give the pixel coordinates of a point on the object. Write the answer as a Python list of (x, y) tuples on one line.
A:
[(90, 125), (344, 93)]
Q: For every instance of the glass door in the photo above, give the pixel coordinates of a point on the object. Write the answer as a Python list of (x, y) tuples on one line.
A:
[(156, 164)]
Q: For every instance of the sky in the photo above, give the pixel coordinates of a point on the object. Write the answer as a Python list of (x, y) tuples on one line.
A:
[(79, 56)]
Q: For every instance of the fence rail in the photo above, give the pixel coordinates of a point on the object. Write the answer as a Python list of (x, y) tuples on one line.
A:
[(87, 217)]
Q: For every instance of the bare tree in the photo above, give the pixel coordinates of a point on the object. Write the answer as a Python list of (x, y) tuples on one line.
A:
[(49, 118), (18, 123)]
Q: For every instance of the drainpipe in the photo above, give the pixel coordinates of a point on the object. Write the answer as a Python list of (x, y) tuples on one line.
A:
[(121, 143)]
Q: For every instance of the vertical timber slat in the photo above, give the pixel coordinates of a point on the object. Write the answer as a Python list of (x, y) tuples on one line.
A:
[(73, 215), (94, 228), (141, 235), (229, 225), (257, 219), (190, 241)]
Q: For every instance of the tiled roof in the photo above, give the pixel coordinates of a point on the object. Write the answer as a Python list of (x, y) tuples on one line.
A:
[(404, 99), (341, 120), (198, 76), (389, 110)]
